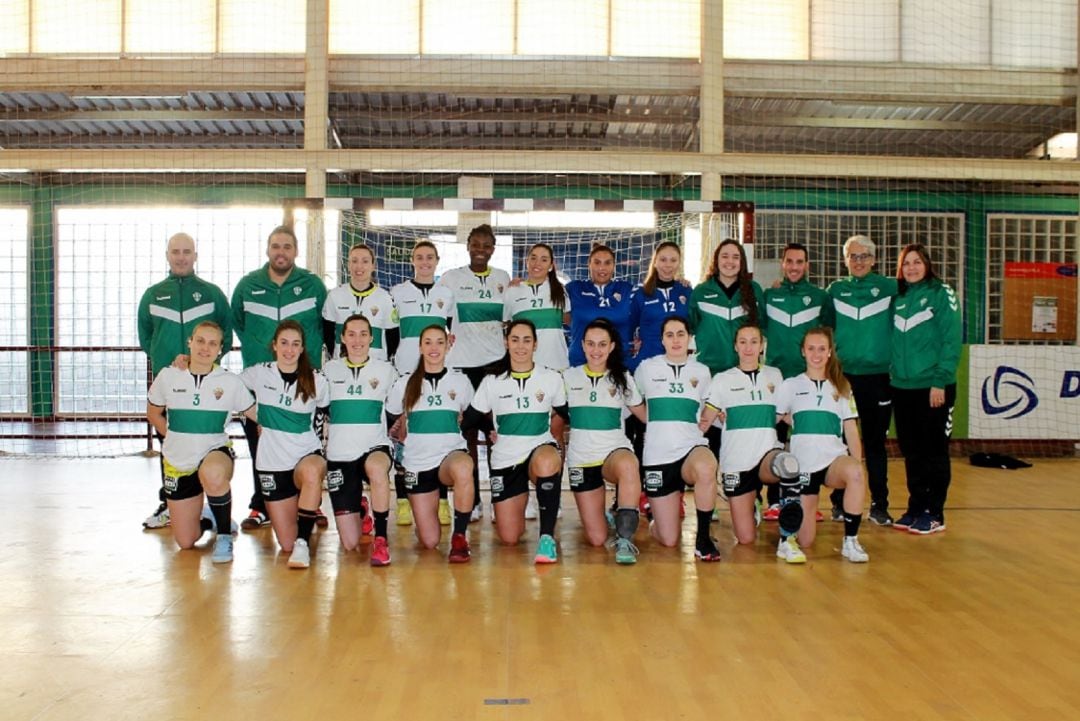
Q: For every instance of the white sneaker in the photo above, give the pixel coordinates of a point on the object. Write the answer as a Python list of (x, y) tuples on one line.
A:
[(301, 554), (853, 550), (532, 512), (477, 513), (788, 550), (159, 518)]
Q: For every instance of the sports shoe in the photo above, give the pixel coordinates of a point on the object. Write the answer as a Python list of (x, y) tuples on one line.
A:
[(380, 552), (644, 507), (880, 517), (367, 523), (255, 519), (772, 513), (819, 516), (209, 523), (925, 525), (301, 554), (837, 514), (757, 512), (904, 522), (445, 517), (404, 512), (320, 518), (788, 550), (459, 549), (546, 551), (706, 551), (626, 552), (159, 518), (222, 553), (477, 513), (531, 510), (609, 518), (853, 550)]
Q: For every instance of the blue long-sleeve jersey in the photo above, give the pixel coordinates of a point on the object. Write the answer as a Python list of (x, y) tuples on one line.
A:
[(590, 302), (648, 312)]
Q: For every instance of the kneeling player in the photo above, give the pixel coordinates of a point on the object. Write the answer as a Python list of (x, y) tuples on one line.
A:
[(191, 408)]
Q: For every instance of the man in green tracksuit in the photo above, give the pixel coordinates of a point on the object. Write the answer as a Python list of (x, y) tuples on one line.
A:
[(168, 313), (863, 302), (792, 308), (263, 298)]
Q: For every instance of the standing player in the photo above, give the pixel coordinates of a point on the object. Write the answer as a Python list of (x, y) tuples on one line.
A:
[(925, 353), (520, 397), (478, 337), (793, 307), (825, 438), (601, 296), (597, 393), (290, 466), (662, 294), (863, 302), (262, 299), (190, 409), (674, 387), (427, 404), (542, 301), (357, 447), (168, 312)]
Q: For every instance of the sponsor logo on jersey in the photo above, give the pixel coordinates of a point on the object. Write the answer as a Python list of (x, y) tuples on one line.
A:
[(179, 390), (709, 296), (163, 297), (218, 393), (258, 292), (1009, 391)]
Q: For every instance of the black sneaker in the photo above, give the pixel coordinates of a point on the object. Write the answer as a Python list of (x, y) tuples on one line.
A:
[(705, 550), (880, 517), (904, 522), (837, 514)]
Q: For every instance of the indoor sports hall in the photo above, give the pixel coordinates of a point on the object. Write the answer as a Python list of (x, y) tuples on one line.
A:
[(565, 123)]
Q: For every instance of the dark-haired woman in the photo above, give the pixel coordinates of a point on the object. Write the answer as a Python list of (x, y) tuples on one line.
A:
[(597, 393), (517, 401), (601, 296), (661, 295), (725, 301), (925, 353), (431, 400), (357, 447), (674, 387), (541, 300), (819, 407), (289, 462)]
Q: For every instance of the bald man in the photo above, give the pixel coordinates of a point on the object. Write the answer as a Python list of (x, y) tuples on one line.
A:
[(168, 312)]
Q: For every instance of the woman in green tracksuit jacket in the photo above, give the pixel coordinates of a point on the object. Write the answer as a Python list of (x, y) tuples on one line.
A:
[(925, 352)]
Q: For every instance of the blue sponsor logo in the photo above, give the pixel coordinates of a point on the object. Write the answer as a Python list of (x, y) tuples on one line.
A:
[(1009, 391)]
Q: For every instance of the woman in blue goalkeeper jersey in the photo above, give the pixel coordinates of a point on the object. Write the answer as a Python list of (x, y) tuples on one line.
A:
[(600, 296)]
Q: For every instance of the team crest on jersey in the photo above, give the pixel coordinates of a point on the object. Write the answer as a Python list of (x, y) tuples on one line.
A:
[(539, 396), (452, 394), (612, 390), (922, 301), (617, 297), (374, 311), (693, 382), (218, 393), (439, 303), (297, 290), (374, 383), (499, 287), (875, 292), (197, 296), (806, 300), (771, 387)]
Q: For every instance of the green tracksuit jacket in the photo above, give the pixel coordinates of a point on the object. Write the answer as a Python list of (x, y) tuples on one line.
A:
[(259, 304), (714, 320), (926, 336), (793, 309), (864, 322), (169, 312)]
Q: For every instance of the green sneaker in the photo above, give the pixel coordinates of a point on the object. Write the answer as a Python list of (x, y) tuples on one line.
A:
[(625, 552), (546, 551)]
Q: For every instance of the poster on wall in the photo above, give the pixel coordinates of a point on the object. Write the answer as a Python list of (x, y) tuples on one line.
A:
[(1044, 314), (1020, 392), (1039, 301)]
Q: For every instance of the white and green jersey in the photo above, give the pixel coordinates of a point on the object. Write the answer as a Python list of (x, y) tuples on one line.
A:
[(434, 423), (520, 405), (596, 415), (817, 431), (415, 308), (533, 302), (357, 395), (674, 396), (478, 309), (748, 400), (286, 420), (375, 304), (198, 409)]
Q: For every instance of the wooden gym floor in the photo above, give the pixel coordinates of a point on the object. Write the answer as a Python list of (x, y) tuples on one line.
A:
[(101, 620)]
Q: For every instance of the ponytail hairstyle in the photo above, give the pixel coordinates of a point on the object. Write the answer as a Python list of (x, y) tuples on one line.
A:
[(651, 276), (833, 370), (920, 250), (502, 366), (616, 366), (558, 293), (305, 372), (414, 387), (352, 318), (746, 290)]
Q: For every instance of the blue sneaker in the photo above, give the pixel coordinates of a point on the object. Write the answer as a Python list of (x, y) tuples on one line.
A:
[(546, 551), (223, 545), (904, 522), (625, 552), (923, 525)]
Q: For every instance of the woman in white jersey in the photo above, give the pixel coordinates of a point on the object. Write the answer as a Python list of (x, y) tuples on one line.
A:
[(190, 409), (597, 394), (819, 407), (289, 463), (520, 395), (676, 454), (431, 400), (541, 300), (357, 448), (744, 397), (361, 295)]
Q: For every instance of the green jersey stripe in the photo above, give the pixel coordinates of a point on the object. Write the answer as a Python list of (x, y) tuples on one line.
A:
[(746, 417), (673, 409), (592, 418), (821, 423), (196, 421), (434, 421), (355, 411), (523, 424), (413, 326), (542, 318), (479, 312), (279, 419)]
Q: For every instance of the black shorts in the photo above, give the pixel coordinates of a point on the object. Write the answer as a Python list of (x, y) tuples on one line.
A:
[(345, 481), (417, 482), (475, 375), (280, 485), (586, 478), (189, 486), (513, 481), (812, 482), (742, 482), (666, 479)]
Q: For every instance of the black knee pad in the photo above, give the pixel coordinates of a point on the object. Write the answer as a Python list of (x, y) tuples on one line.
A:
[(791, 516)]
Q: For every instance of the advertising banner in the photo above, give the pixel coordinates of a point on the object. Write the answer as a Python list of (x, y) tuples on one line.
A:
[(1019, 392)]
